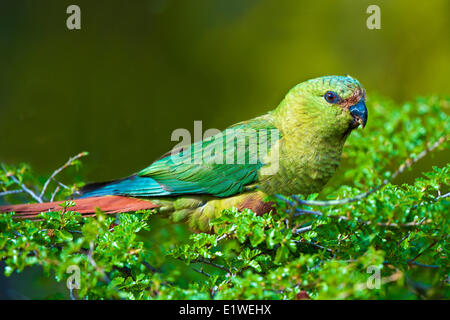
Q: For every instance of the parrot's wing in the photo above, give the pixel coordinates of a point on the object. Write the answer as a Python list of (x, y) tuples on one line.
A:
[(220, 165)]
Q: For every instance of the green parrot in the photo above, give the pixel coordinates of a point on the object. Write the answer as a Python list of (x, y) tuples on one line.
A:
[(293, 149)]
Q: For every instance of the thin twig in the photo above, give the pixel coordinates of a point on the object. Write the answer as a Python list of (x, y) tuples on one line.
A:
[(433, 266), (302, 212), (202, 260), (443, 196), (226, 235), (314, 245), (24, 187), (61, 184), (91, 260), (150, 267), (5, 193), (201, 271), (407, 164), (302, 230), (423, 251), (411, 224), (57, 171), (54, 193)]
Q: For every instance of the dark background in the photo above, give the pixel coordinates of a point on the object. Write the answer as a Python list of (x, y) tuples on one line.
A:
[(137, 70)]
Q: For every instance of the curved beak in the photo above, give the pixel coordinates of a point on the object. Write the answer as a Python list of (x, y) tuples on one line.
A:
[(359, 113)]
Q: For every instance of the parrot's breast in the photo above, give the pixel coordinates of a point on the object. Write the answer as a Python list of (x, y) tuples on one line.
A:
[(303, 166)]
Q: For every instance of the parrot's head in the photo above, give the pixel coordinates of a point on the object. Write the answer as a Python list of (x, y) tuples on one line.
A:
[(333, 105)]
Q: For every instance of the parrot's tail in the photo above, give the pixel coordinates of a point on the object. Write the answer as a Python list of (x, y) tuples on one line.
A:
[(85, 206)]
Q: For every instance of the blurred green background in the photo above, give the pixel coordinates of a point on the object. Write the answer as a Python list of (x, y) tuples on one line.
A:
[(138, 70)]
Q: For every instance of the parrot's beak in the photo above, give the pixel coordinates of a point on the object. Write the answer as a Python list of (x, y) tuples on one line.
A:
[(359, 113)]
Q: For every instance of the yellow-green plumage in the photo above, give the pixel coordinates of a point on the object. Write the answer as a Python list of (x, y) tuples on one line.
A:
[(313, 135), (311, 124)]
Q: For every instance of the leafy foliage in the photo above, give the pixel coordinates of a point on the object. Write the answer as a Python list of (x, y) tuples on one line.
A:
[(391, 244)]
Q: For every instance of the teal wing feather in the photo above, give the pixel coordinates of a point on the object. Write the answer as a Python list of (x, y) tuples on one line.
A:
[(202, 168), (220, 165)]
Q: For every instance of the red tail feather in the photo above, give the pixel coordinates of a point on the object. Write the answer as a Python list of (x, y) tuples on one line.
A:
[(86, 206)]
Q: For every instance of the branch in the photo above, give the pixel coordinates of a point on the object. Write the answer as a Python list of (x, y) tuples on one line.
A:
[(302, 212), (24, 188), (226, 235), (202, 260), (414, 263), (304, 229), (422, 252), (314, 245), (443, 196), (91, 260), (57, 171), (39, 198), (406, 165), (4, 193), (201, 271), (54, 193)]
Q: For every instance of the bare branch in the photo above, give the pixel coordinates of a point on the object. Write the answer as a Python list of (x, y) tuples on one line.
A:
[(57, 171), (302, 212), (61, 184), (414, 263), (407, 164), (5, 193), (314, 245), (226, 235), (302, 230), (203, 260), (412, 224), (443, 196), (54, 193), (24, 188), (201, 271), (423, 251), (41, 195), (90, 257)]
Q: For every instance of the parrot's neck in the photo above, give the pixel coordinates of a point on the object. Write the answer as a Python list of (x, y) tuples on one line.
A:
[(308, 153)]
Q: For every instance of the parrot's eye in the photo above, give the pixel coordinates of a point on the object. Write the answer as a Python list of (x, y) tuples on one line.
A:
[(331, 97)]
